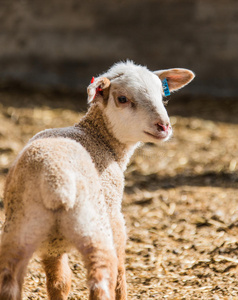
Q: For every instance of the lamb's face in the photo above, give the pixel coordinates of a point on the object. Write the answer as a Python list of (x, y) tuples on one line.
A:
[(135, 108), (131, 97)]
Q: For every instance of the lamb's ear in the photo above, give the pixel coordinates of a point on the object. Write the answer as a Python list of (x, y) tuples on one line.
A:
[(99, 88), (176, 78)]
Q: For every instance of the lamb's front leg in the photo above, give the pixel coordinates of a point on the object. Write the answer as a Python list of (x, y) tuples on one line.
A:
[(119, 234)]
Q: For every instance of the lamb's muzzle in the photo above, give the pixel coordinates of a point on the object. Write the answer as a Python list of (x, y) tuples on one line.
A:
[(65, 188), (162, 127)]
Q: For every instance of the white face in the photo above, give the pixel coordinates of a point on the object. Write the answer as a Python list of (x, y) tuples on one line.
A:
[(135, 109)]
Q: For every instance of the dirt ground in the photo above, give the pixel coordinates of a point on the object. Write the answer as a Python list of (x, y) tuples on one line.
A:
[(180, 201)]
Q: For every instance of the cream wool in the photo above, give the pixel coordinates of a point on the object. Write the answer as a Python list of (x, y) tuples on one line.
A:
[(66, 186)]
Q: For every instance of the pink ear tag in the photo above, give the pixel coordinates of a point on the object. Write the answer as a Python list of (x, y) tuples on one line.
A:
[(98, 89)]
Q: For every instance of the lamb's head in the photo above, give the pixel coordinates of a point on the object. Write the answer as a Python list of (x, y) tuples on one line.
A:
[(131, 98)]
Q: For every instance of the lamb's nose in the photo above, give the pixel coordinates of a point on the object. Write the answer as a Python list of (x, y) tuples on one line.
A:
[(163, 127)]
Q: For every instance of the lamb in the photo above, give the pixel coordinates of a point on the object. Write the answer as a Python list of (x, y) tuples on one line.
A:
[(65, 188)]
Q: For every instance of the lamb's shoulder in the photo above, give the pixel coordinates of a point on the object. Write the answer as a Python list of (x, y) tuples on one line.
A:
[(60, 170)]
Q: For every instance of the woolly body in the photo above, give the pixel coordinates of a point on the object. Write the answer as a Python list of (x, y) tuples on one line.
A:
[(65, 188)]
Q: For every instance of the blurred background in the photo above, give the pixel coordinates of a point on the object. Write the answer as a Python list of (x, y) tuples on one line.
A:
[(60, 44), (180, 201)]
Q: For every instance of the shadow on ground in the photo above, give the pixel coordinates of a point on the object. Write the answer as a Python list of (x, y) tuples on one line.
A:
[(153, 182)]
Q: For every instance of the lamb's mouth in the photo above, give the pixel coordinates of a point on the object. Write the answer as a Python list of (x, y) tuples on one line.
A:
[(157, 137)]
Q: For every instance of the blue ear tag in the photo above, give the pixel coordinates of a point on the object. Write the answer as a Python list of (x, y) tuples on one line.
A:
[(165, 87)]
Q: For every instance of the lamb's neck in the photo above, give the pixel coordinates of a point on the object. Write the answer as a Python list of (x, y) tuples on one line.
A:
[(96, 125)]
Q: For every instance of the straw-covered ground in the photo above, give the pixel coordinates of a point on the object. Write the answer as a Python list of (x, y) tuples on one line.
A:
[(180, 202)]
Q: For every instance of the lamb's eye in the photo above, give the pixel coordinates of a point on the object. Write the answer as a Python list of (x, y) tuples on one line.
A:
[(122, 99)]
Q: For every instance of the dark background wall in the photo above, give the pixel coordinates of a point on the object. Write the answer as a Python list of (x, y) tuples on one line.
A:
[(62, 43)]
